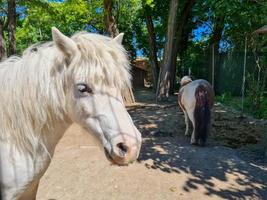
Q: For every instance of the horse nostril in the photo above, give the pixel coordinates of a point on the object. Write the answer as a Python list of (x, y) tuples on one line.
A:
[(123, 149)]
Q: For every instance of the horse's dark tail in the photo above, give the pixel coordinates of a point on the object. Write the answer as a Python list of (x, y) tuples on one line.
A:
[(202, 114)]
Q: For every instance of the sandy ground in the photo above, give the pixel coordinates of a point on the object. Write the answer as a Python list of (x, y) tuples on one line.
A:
[(168, 167)]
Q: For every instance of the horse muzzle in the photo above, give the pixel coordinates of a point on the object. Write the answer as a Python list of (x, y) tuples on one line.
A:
[(125, 150)]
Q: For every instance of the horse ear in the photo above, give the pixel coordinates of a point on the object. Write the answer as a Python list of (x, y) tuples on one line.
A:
[(118, 38), (64, 43)]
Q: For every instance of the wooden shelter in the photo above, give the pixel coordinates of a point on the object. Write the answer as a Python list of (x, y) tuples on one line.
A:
[(139, 72)]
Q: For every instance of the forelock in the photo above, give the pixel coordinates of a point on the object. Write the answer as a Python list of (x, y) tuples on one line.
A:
[(102, 61)]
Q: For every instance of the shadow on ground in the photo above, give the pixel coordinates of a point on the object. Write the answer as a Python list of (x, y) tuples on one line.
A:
[(222, 171), (206, 167)]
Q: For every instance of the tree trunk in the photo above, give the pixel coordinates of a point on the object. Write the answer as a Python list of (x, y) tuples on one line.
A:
[(166, 70), (184, 18), (112, 29), (2, 41), (215, 41), (217, 33), (152, 48), (109, 19), (11, 17)]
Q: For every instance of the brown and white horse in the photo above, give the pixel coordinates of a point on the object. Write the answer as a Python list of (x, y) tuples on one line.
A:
[(196, 99)]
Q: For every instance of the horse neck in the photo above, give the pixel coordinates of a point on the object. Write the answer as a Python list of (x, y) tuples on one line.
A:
[(51, 137), (34, 114), (55, 126)]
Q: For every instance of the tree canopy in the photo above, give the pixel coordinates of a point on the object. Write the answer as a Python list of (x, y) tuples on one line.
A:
[(195, 28)]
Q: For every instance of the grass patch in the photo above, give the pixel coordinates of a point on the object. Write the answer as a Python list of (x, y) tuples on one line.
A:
[(259, 112)]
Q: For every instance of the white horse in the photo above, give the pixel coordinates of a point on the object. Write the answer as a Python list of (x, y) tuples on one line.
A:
[(196, 99), (77, 79)]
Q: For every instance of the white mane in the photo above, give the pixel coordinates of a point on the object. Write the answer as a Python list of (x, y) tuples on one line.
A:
[(109, 60), (32, 87)]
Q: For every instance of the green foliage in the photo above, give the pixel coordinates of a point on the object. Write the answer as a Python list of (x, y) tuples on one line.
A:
[(240, 18), (158, 10), (72, 15), (69, 17), (255, 97), (260, 112), (127, 18), (225, 97)]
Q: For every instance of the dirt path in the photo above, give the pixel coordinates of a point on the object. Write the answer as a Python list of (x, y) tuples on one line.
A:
[(168, 167)]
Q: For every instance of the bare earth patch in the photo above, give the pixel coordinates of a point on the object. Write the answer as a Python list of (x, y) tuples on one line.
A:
[(168, 167)]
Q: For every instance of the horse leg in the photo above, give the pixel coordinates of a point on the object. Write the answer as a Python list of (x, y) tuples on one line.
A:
[(192, 119), (186, 119)]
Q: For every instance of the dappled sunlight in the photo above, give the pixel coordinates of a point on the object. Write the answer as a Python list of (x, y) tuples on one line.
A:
[(157, 121), (168, 166), (221, 171)]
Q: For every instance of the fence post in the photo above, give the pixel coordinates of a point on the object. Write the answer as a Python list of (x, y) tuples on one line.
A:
[(244, 75), (213, 66)]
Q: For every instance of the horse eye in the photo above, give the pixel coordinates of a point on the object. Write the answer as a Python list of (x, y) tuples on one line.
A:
[(84, 88)]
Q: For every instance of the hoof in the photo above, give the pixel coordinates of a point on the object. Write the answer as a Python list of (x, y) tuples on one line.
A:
[(201, 143), (194, 142)]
